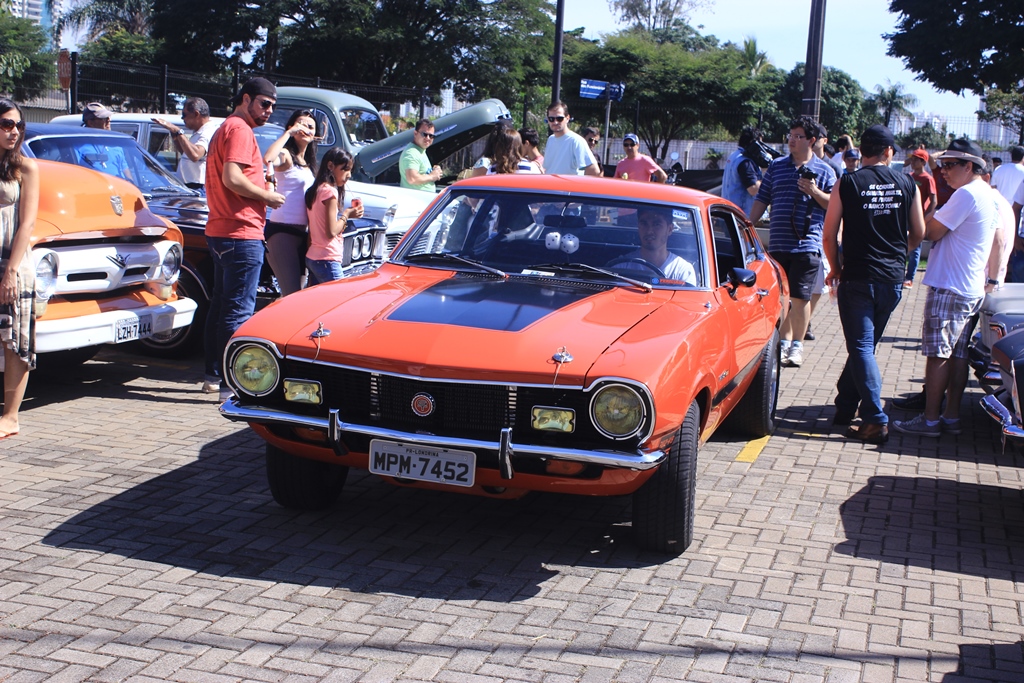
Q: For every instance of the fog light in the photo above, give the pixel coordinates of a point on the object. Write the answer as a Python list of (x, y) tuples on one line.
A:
[(302, 391), (554, 419), (563, 467)]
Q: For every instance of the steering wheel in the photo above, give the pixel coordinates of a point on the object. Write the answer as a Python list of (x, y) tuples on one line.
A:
[(636, 259)]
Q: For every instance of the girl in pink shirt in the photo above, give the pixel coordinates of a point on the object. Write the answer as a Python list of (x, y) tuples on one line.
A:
[(326, 223)]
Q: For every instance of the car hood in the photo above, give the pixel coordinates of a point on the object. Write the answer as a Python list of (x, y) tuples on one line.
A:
[(182, 210), (426, 323)]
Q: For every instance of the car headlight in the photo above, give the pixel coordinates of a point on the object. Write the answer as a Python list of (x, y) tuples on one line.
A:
[(255, 370), (171, 265), (389, 215), (618, 411), (46, 276)]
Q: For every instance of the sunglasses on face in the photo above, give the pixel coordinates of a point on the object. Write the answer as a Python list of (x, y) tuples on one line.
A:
[(629, 144), (591, 141), (556, 119), (951, 163), (10, 124), (429, 136), (265, 104)]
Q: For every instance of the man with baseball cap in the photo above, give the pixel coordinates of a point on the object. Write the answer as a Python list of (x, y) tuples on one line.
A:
[(918, 160), (95, 115), (963, 232), (636, 166), (238, 194), (881, 218)]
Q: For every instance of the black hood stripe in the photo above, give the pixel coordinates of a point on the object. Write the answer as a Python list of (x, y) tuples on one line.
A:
[(505, 305)]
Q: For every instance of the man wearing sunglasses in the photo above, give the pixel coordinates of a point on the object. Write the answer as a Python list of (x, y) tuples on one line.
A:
[(637, 166), (238, 196), (415, 171), (963, 231), (566, 152)]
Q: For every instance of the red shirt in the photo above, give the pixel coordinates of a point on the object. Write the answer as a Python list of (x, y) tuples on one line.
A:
[(926, 186), (231, 214)]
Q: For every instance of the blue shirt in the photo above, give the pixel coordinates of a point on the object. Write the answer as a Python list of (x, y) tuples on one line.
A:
[(740, 173), (795, 221)]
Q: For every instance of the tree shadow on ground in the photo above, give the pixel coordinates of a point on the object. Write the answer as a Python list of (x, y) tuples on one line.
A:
[(999, 663), (215, 515), (937, 524)]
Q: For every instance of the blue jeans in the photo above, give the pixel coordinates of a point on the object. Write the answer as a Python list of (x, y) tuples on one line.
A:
[(864, 310), (236, 275), (323, 271), (913, 261)]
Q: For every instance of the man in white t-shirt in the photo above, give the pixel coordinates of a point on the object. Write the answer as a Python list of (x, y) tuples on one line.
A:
[(566, 152), (654, 227), (963, 232), (196, 115), (1007, 178)]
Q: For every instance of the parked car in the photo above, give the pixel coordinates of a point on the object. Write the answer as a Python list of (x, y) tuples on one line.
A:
[(106, 266), (515, 342), (120, 155), (1002, 311), (1004, 404)]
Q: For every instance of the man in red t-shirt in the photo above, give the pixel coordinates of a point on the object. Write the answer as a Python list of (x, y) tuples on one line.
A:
[(636, 166), (238, 194), (925, 181)]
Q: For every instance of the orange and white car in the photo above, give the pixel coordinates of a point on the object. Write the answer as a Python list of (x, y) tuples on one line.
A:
[(518, 341), (106, 266)]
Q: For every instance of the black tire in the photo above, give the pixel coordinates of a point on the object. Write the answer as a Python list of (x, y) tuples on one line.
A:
[(754, 415), (663, 506), (303, 484), (183, 341)]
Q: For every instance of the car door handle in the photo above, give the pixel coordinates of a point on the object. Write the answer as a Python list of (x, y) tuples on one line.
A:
[(762, 293)]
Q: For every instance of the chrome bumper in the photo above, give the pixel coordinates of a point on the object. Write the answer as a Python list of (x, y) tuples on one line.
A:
[(1001, 414), (336, 429)]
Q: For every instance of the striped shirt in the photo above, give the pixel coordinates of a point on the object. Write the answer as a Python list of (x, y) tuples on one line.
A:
[(796, 220)]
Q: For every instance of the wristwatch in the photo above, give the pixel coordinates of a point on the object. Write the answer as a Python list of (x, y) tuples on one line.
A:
[(180, 132), (990, 281)]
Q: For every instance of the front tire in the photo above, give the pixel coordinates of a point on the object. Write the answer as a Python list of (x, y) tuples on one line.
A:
[(303, 484), (181, 342), (663, 506), (754, 415)]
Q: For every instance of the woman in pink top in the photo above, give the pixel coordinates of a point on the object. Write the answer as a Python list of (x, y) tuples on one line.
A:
[(326, 223)]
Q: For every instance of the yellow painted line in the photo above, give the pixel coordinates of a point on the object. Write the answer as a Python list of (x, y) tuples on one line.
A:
[(753, 449)]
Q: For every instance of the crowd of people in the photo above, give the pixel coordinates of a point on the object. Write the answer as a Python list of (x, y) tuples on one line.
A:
[(840, 218)]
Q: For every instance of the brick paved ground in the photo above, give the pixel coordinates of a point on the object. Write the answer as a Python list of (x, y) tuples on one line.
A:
[(138, 542)]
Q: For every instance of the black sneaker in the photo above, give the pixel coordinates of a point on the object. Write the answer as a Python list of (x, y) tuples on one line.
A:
[(912, 402), (808, 335)]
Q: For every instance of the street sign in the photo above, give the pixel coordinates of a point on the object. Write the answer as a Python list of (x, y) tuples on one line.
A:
[(64, 69), (616, 91), (592, 90)]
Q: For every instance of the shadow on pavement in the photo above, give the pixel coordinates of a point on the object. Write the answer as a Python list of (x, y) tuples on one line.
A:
[(215, 515), (1000, 663), (937, 524)]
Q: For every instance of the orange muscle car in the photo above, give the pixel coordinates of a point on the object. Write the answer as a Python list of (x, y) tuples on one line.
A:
[(530, 333)]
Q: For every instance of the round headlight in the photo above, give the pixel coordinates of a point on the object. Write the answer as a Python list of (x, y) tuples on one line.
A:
[(46, 276), (617, 411), (255, 370), (171, 266), (367, 245)]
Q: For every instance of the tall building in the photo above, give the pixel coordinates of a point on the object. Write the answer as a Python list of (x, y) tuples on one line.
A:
[(36, 11)]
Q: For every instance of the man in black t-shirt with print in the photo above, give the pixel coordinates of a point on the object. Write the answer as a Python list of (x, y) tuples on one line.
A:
[(882, 220)]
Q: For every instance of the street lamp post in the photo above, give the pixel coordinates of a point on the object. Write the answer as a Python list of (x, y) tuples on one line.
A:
[(811, 104), (556, 79)]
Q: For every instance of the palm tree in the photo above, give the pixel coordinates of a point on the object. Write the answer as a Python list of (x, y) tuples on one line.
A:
[(892, 100), (754, 61), (106, 16)]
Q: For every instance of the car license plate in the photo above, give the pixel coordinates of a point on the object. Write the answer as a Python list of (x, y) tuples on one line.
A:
[(422, 463), (130, 329)]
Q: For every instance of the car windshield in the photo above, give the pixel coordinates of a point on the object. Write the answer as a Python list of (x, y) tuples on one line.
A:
[(362, 126), (503, 233), (115, 155)]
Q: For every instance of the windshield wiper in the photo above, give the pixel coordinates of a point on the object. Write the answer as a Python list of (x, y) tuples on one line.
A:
[(446, 257), (174, 189), (587, 268)]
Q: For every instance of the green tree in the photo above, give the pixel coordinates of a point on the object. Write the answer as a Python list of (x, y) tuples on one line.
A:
[(754, 60), (1006, 107), (122, 46), (891, 100), (652, 15), (98, 17), (25, 69), (925, 135), (960, 45), (842, 101)]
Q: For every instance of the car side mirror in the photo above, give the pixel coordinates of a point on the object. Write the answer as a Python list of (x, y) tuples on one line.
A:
[(742, 277)]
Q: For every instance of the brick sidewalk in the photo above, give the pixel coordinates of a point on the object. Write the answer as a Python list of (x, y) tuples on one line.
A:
[(138, 542)]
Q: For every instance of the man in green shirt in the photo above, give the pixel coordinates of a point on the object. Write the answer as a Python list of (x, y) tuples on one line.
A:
[(414, 165)]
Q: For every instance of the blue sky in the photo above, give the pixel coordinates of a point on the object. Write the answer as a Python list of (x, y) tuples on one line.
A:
[(853, 40)]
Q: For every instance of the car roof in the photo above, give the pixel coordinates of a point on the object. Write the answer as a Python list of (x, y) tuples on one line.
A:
[(585, 185), (128, 117), (330, 98), (37, 129)]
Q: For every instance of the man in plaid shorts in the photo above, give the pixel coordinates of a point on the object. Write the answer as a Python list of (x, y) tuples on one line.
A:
[(963, 231)]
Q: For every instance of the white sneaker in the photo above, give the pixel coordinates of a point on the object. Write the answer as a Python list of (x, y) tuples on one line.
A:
[(784, 357), (211, 387), (796, 356)]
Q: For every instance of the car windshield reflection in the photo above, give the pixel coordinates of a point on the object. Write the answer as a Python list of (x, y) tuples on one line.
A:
[(121, 157), (537, 235)]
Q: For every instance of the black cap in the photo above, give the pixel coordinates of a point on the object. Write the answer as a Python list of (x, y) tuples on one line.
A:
[(877, 136), (963, 149), (256, 86)]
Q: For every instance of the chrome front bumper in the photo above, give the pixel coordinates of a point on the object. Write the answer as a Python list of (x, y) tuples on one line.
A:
[(1008, 423), (336, 429)]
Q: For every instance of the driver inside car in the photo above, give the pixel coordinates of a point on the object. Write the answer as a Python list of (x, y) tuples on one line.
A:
[(654, 227)]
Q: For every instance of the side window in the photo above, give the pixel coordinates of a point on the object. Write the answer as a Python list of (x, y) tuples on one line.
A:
[(729, 250), (129, 128), (162, 147)]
